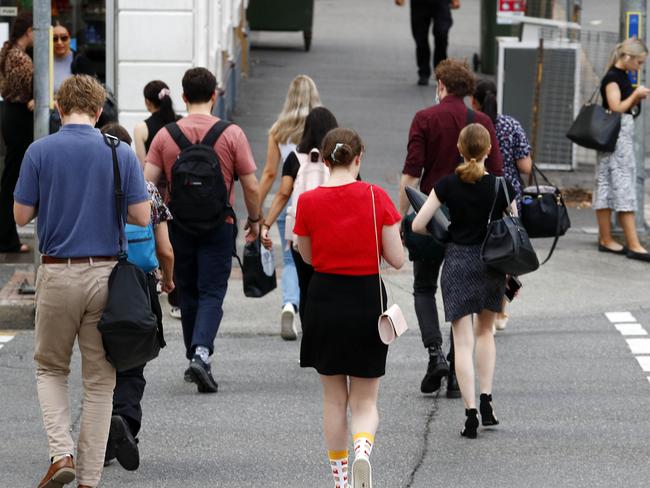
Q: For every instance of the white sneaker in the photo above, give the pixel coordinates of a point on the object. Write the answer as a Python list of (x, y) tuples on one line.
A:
[(288, 323), (175, 312), (361, 473), (501, 321)]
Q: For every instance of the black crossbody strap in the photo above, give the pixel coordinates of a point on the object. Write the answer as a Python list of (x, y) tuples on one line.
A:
[(494, 202), (470, 117), (212, 136), (177, 135), (113, 142)]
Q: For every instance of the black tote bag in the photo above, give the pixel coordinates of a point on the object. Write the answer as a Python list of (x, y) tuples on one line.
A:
[(258, 270), (506, 247), (595, 127), (129, 328)]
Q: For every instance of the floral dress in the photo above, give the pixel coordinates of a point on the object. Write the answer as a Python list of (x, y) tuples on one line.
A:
[(514, 146)]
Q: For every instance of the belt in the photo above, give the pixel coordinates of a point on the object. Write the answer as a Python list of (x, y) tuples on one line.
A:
[(87, 260)]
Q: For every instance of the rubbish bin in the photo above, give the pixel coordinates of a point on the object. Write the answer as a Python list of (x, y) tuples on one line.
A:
[(282, 15)]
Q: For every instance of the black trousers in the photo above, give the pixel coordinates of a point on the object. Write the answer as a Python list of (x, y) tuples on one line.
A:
[(423, 14), (305, 272), (18, 134), (130, 384)]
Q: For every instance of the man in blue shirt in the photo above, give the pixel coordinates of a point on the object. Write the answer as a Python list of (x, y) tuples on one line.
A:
[(67, 180)]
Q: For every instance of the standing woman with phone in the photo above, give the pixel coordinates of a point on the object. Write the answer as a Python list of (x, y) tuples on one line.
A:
[(616, 173)]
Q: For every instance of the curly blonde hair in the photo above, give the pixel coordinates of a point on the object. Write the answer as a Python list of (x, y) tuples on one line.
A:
[(302, 97)]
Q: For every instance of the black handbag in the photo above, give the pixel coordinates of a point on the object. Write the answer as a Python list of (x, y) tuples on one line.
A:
[(438, 226), (129, 328), (258, 270), (543, 211), (423, 248), (595, 127), (506, 247)]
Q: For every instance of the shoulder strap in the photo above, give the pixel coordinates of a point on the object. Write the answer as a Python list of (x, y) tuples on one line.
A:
[(374, 219), (113, 142), (179, 138), (470, 117), (494, 201), (211, 137)]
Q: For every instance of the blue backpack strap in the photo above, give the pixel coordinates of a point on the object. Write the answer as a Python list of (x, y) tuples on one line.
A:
[(212, 136), (177, 135)]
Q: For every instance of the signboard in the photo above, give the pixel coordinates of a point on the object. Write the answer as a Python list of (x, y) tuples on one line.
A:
[(507, 9), (634, 28), (8, 11)]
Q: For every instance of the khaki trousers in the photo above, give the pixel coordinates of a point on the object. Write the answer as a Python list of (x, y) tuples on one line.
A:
[(70, 299)]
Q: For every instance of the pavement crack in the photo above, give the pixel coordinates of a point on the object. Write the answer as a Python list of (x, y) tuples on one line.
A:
[(424, 449)]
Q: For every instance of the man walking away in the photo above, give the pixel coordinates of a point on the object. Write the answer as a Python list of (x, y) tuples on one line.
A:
[(67, 180), (424, 13), (432, 155), (209, 154)]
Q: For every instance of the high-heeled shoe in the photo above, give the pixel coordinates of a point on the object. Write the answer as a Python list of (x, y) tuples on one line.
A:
[(487, 411), (471, 424)]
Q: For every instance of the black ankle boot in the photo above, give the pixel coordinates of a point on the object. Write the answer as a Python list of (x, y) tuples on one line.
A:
[(487, 411), (436, 370), (471, 424)]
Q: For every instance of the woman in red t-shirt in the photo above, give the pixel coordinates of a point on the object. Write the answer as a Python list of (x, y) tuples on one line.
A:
[(336, 234)]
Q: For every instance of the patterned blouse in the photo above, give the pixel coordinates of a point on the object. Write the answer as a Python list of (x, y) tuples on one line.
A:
[(514, 146), (16, 81), (159, 211)]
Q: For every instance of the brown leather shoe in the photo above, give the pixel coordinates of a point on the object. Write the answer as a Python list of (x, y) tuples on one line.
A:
[(59, 474)]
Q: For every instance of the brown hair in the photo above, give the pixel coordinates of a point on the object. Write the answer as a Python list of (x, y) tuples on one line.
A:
[(81, 94), (474, 144), (341, 146), (456, 76), (21, 24), (116, 130)]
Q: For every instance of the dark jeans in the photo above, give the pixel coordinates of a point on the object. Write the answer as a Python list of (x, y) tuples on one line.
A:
[(129, 385), (423, 14), (305, 272), (425, 284), (18, 134), (201, 269)]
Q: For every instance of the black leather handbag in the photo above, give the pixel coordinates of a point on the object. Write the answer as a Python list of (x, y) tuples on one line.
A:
[(129, 328), (506, 247), (543, 211), (595, 127), (438, 226)]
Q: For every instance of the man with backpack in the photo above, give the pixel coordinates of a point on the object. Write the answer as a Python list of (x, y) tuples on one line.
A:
[(202, 156)]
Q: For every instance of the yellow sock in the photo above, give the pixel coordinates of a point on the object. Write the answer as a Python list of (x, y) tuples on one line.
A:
[(339, 466), (363, 442)]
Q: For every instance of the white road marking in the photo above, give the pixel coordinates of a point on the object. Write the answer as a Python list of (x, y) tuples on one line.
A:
[(631, 329), (6, 338), (644, 362), (618, 317), (1, 346), (639, 346)]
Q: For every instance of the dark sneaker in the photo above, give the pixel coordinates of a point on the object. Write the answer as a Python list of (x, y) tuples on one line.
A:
[(423, 81), (453, 390), (109, 455), (126, 446), (436, 371), (202, 376), (187, 375)]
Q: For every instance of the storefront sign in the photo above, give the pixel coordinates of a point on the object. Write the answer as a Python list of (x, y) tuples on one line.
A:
[(8, 11), (507, 9), (634, 28)]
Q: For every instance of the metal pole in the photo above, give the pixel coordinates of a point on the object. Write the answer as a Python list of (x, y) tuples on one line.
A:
[(633, 23)]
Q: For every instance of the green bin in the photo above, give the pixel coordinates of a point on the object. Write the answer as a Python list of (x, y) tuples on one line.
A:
[(282, 15)]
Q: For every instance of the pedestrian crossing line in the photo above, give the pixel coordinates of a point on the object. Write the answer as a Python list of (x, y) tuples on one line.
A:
[(618, 317), (639, 346), (5, 338), (628, 326), (644, 362), (631, 329)]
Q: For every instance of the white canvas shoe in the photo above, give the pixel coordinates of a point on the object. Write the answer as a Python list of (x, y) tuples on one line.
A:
[(175, 312), (288, 329), (361, 473), (501, 321)]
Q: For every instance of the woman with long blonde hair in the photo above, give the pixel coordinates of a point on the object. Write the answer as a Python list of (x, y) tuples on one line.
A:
[(284, 135), (616, 172)]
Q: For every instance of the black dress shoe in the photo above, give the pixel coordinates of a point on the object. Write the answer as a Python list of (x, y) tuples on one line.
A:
[(436, 371), (487, 410), (622, 250), (126, 446), (453, 390), (202, 376), (423, 81), (639, 256)]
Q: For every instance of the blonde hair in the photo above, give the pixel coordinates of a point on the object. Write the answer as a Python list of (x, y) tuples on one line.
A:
[(474, 144), (81, 94), (302, 97), (629, 47)]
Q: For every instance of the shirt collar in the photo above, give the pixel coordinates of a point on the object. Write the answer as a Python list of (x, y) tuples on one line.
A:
[(452, 99)]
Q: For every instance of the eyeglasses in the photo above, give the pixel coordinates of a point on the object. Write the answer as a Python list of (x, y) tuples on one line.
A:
[(61, 38)]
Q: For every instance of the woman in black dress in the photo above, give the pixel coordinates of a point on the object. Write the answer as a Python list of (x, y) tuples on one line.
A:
[(468, 286)]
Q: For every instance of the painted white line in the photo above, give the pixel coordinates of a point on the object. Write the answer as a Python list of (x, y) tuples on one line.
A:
[(6, 338), (644, 362), (631, 329), (1, 346), (618, 317), (639, 346), (648, 378)]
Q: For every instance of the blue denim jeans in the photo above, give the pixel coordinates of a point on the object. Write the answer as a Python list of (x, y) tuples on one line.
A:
[(201, 270), (290, 287)]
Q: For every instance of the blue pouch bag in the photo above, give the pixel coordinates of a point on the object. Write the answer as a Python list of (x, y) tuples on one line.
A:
[(142, 247)]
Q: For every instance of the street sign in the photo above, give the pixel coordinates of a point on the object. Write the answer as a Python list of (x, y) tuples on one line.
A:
[(8, 11), (507, 9), (634, 28)]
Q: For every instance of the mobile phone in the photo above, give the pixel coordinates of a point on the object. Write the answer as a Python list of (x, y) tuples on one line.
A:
[(512, 286)]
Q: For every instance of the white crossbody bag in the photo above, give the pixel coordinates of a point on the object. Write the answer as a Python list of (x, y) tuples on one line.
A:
[(391, 323)]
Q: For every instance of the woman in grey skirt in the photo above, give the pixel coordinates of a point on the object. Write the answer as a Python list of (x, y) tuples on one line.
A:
[(468, 286), (616, 172)]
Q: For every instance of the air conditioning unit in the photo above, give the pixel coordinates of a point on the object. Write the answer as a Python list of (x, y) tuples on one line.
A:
[(559, 95)]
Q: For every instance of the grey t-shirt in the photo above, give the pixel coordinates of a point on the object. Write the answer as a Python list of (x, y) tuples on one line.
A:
[(68, 176), (62, 69)]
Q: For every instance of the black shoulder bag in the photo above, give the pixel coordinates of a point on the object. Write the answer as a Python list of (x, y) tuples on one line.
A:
[(595, 127), (543, 211), (129, 328), (506, 247)]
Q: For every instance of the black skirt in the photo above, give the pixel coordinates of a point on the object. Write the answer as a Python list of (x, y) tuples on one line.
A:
[(468, 285), (340, 334)]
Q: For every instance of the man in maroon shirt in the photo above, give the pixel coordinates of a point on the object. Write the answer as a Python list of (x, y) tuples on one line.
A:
[(432, 155)]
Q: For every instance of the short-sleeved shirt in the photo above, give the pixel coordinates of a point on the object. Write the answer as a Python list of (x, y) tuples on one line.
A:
[(291, 165), (68, 176), (232, 147), (514, 146), (469, 206), (433, 139), (340, 223), (620, 77)]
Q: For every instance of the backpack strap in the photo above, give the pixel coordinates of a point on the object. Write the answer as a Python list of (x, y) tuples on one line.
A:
[(212, 136), (470, 117), (179, 138)]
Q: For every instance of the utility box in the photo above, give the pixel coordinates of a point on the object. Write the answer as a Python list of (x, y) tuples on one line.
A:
[(282, 15)]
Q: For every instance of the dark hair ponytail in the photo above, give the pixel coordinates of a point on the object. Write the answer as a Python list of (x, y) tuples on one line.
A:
[(21, 24), (486, 96), (157, 92), (318, 123)]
